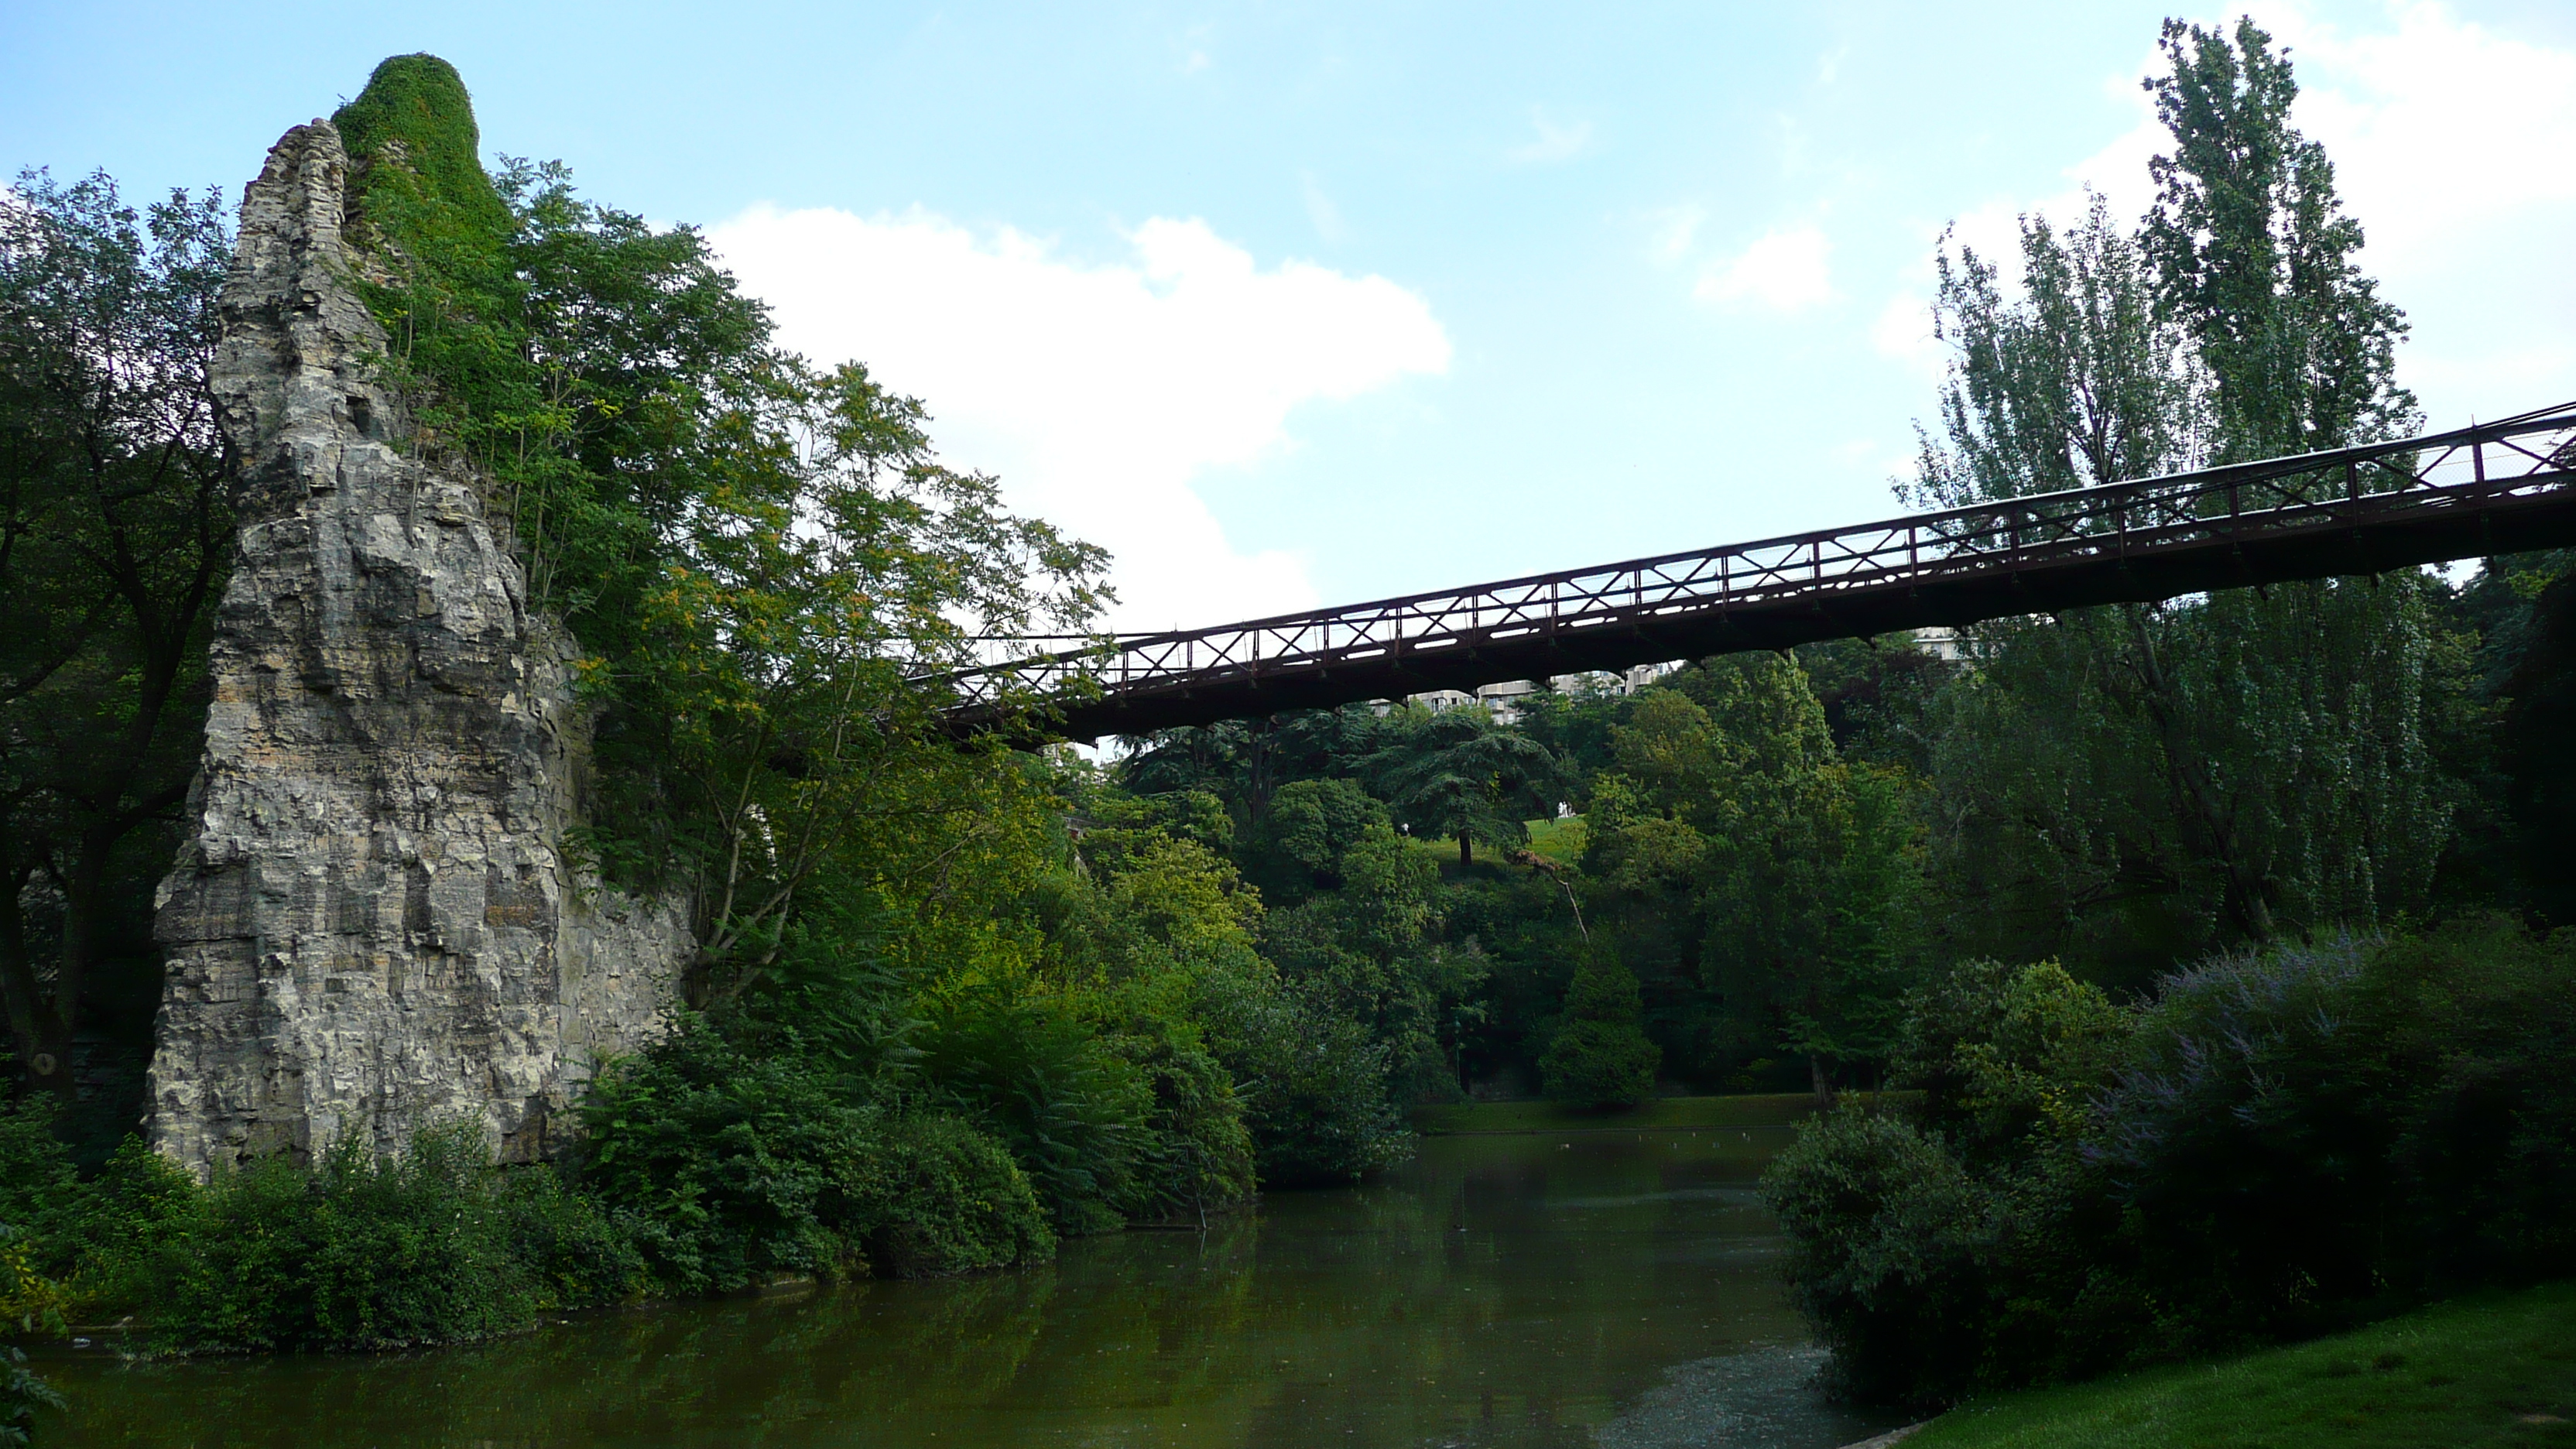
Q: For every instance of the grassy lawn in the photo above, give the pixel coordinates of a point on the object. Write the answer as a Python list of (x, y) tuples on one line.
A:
[(1767, 1110), (2496, 1368), (1558, 840)]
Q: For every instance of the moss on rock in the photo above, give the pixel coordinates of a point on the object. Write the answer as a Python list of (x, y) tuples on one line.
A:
[(415, 113)]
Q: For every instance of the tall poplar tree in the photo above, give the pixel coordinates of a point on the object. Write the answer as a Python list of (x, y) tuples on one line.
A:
[(2133, 784)]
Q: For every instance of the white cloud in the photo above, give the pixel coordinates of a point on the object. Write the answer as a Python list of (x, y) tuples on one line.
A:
[(2450, 144), (1786, 271), (1098, 393), (1554, 142)]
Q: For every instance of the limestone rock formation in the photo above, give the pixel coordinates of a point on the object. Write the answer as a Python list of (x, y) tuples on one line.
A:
[(373, 924)]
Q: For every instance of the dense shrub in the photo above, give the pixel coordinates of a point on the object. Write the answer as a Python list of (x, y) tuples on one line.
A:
[(435, 1244), (1601, 1057), (39, 1197), (359, 1251), (2006, 1057), (574, 1249), (739, 1166), (1195, 1151), (76, 1246), (1071, 1110), (1892, 1243), (709, 1166), (2279, 1143), (1317, 1099), (2312, 1128), (1929, 1247)]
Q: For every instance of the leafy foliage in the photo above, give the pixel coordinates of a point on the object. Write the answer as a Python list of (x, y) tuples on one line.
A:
[(1172, 944), (1372, 952), (1068, 1107), (21, 1395), (742, 1165), (1601, 1057), (1456, 772), (115, 540), (2280, 1143), (1889, 1236), (1731, 835), (359, 1252), (1310, 826), (2130, 786)]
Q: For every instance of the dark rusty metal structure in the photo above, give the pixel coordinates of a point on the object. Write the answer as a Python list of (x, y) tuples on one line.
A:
[(2501, 487)]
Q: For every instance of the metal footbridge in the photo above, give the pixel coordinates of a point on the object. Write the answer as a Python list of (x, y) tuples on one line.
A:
[(2499, 487)]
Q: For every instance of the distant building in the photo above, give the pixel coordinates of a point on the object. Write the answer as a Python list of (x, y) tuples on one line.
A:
[(1504, 698), (1942, 642)]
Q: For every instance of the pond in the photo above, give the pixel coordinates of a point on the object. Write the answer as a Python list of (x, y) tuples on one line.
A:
[(1610, 1287)]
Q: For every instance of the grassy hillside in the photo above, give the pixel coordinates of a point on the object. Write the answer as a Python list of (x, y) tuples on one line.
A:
[(2497, 1368)]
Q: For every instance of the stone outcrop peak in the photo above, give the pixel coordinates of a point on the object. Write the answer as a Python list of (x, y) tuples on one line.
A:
[(374, 924)]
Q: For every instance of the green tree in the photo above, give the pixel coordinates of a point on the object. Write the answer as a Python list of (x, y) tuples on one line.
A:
[(755, 555), (2076, 380), (115, 541), (1372, 951), (1794, 869), (1600, 1056), (2254, 257), (1157, 935), (2130, 785), (1244, 762), (1574, 725), (2535, 774), (1460, 772), (1311, 826)]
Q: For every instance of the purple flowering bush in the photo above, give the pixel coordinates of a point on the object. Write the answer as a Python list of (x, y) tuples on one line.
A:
[(2275, 1144)]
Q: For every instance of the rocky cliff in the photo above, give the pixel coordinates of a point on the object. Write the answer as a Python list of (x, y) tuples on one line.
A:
[(373, 924)]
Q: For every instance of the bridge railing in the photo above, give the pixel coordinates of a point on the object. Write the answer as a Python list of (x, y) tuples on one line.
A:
[(2324, 490)]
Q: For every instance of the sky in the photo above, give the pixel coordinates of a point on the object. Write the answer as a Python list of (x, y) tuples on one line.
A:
[(1298, 305)]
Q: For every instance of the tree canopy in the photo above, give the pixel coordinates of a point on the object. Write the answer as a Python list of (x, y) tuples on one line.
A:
[(115, 541)]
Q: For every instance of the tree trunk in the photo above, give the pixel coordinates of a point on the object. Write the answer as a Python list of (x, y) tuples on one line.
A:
[(1466, 851), (1824, 1082), (37, 1035), (2205, 821)]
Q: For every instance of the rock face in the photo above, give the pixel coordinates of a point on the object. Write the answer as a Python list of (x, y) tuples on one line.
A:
[(373, 924)]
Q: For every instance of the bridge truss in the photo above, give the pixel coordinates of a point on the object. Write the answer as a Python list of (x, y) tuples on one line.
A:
[(2501, 487)]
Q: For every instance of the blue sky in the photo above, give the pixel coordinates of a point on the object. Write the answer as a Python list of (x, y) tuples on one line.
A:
[(1303, 304)]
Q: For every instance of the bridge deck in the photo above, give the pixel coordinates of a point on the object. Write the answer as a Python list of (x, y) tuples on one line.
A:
[(2501, 487)]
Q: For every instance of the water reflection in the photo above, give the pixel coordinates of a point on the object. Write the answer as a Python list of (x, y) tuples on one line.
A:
[(1613, 1288)]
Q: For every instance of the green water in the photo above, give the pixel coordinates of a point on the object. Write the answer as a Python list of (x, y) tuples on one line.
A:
[(1611, 1288)]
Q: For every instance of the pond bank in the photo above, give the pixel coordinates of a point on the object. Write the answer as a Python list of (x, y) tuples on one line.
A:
[(2493, 1368)]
